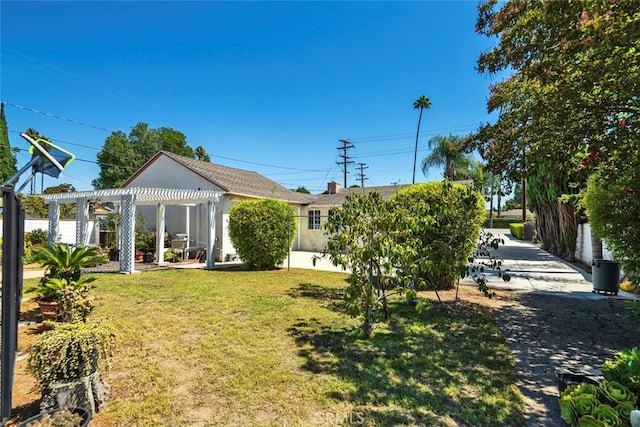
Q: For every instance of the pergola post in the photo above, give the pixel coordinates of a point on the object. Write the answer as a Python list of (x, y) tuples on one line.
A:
[(127, 227), (211, 234), (187, 225), (82, 223), (160, 225), (54, 222)]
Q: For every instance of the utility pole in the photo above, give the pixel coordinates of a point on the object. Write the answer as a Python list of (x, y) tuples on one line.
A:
[(361, 175), (524, 187), (346, 160)]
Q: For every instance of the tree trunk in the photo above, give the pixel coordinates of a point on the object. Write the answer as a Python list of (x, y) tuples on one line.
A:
[(491, 208), (558, 229), (366, 327)]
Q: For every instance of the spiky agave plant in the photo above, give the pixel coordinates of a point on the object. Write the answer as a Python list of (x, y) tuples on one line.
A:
[(62, 262)]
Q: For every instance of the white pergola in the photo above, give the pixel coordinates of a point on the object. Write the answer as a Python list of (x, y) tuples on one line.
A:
[(128, 199)]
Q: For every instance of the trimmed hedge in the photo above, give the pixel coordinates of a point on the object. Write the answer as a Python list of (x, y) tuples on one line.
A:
[(262, 232), (505, 222), (517, 230)]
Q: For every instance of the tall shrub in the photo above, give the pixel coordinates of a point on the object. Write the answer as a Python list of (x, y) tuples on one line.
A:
[(262, 232), (445, 220), (613, 208)]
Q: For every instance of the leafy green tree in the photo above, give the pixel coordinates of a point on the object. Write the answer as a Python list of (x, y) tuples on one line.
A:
[(421, 238), (7, 158), (361, 240), (448, 151), (201, 154), (612, 203), (122, 155), (35, 206), (516, 201), (302, 190), (262, 231), (117, 161), (440, 224), (571, 103), (422, 103)]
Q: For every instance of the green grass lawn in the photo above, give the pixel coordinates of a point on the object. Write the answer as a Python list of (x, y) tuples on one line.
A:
[(204, 348)]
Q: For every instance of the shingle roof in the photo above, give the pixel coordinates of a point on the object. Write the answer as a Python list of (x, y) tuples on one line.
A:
[(338, 198), (240, 182)]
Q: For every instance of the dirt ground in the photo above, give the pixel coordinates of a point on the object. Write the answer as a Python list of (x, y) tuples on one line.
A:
[(547, 333)]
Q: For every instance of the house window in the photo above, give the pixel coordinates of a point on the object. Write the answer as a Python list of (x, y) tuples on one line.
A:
[(314, 220)]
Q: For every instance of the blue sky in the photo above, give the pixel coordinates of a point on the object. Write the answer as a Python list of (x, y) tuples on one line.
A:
[(265, 86)]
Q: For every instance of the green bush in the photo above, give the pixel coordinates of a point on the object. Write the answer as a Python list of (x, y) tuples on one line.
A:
[(517, 230), (505, 222), (613, 209), (71, 351), (262, 232), (446, 219), (34, 238)]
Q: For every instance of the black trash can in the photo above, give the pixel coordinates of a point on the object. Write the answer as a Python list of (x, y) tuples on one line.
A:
[(566, 379), (606, 276)]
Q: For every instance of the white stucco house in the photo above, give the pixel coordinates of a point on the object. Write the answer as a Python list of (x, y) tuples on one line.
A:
[(317, 211), (192, 199), (169, 170)]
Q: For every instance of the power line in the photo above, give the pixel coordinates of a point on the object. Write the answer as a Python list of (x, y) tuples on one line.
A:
[(367, 139), (266, 165), (64, 142), (55, 116)]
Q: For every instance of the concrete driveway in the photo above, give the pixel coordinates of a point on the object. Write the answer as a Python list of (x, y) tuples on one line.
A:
[(535, 270)]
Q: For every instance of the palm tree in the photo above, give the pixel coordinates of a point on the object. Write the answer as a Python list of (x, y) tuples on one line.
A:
[(422, 103), (201, 154), (447, 151)]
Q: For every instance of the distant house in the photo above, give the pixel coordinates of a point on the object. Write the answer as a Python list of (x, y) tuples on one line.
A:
[(169, 170), (317, 211)]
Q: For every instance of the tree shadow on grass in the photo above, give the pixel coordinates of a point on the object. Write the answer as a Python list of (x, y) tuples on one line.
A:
[(447, 365), (333, 298)]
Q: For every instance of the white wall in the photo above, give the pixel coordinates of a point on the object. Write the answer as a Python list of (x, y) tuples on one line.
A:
[(166, 173), (67, 229), (583, 245), (313, 240)]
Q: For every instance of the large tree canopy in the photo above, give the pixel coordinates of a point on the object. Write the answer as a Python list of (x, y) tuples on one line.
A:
[(575, 83), (122, 154), (571, 104)]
